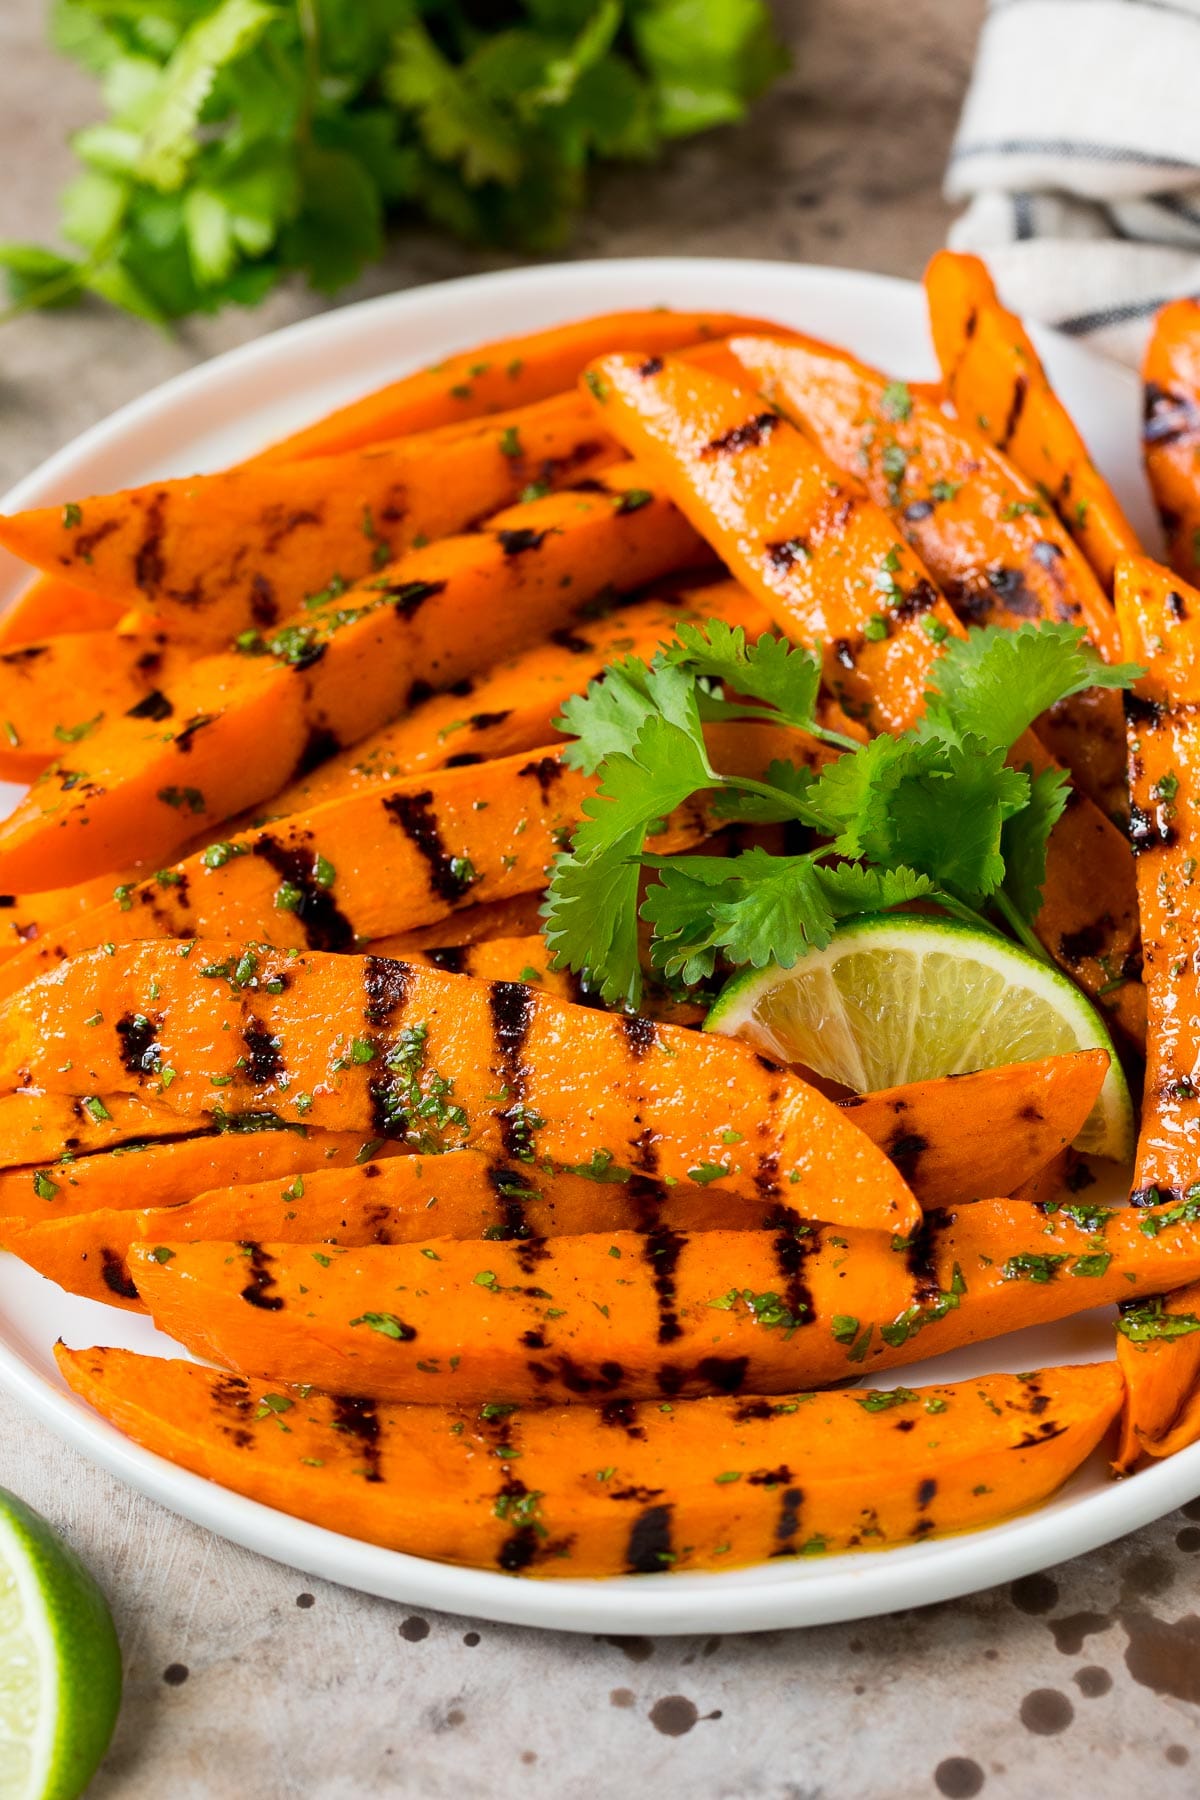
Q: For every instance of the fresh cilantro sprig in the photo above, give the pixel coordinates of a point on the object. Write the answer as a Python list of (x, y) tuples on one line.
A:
[(938, 813), (249, 138)]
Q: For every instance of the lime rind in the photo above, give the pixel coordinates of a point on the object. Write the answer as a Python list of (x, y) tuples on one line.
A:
[(60, 1662), (910, 998)]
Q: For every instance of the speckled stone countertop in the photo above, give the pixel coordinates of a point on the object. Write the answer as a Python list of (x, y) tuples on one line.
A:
[(245, 1678)]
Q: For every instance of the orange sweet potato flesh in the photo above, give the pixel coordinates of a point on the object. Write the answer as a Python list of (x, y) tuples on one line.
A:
[(387, 859), (366, 1044), (519, 917), (803, 539), (994, 377), (991, 543), (402, 856), (242, 726), (512, 706), (24, 918), (464, 1195), (39, 1128), (707, 1484), (399, 1201), (62, 1208), (1158, 1353), (57, 691), (1171, 435), (710, 1484), (215, 555), (673, 1314), (1049, 1183), (497, 377), (971, 1135), (49, 608), (1160, 623)]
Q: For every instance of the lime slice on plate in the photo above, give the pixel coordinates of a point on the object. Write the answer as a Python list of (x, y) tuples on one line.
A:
[(60, 1664), (911, 998)]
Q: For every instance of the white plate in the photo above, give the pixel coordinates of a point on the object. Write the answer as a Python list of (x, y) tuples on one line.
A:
[(226, 409)]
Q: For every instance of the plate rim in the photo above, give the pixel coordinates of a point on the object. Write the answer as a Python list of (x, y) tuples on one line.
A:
[(846, 1587)]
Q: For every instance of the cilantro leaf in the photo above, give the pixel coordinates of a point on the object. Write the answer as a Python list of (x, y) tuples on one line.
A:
[(590, 917), (766, 909), (591, 906), (758, 908), (779, 674), (947, 822), (1024, 837), (609, 717), (994, 683)]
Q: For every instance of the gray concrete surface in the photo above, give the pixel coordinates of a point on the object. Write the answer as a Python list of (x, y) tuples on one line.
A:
[(247, 1679)]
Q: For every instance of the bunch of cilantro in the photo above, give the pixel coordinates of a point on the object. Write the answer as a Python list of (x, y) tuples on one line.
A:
[(246, 139), (938, 813)]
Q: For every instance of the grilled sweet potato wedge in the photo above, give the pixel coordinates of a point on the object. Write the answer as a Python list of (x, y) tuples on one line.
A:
[(801, 537), (57, 691), (991, 543), (170, 1170), (1171, 435), (993, 375), (387, 859), (244, 724), (580, 1491), (670, 1314), (440, 1061), (494, 378), (513, 705), (215, 555), (1160, 621), (941, 1134), (1158, 1353), (49, 607)]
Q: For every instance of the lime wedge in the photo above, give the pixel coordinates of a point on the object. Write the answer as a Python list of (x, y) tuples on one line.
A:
[(60, 1664), (911, 999)]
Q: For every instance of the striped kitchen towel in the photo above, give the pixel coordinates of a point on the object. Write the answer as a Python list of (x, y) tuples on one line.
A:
[(1078, 152)]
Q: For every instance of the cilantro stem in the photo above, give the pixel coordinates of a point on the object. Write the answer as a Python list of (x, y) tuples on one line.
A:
[(1019, 926), (959, 909), (778, 796)]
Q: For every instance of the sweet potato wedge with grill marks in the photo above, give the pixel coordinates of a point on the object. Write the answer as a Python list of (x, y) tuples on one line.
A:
[(994, 377), (386, 859), (1171, 433), (1160, 622), (974, 1124), (37, 1128), (215, 555), (991, 543), (439, 1060), (167, 1170), (56, 692), (1158, 1353), (241, 726), (519, 917), (802, 538), (513, 705), (567, 1491), (672, 1314)]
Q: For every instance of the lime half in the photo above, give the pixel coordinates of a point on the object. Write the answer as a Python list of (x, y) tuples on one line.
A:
[(60, 1664), (911, 999)]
